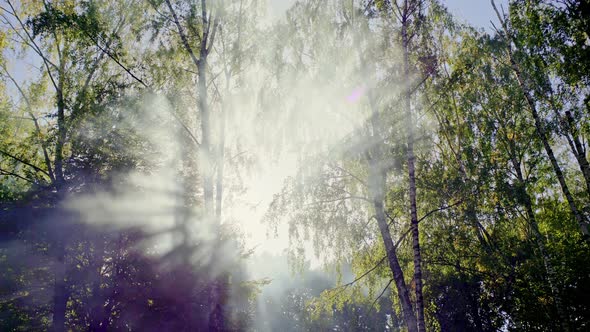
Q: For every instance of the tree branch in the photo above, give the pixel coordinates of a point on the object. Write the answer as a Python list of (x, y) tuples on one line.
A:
[(183, 36), (37, 127), (442, 208), (366, 273), (343, 287), (94, 67), (37, 49), (349, 173), (145, 85), (24, 162), (5, 172), (337, 199), (382, 292)]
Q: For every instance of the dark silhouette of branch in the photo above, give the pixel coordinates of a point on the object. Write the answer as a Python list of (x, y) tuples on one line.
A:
[(115, 59), (342, 288), (5, 172), (442, 208), (382, 292), (36, 48), (349, 173), (338, 199), (37, 127), (144, 84), (182, 34), (364, 274), (24, 162)]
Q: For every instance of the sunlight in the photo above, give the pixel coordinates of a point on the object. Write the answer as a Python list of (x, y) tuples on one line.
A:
[(249, 209), (294, 165)]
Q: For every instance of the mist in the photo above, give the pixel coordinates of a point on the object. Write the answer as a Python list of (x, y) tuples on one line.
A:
[(292, 165)]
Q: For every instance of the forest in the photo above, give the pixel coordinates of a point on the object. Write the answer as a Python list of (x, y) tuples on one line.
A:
[(294, 165)]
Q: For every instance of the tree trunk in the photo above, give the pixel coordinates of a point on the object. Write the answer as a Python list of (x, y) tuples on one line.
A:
[(61, 131), (60, 291), (59, 144), (97, 303), (376, 186), (578, 149), (205, 153), (412, 183), (220, 160), (216, 317)]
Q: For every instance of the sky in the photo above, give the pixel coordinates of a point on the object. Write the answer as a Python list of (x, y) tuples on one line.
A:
[(475, 12), (478, 13)]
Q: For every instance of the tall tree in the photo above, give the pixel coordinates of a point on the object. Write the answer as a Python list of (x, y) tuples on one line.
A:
[(540, 124)]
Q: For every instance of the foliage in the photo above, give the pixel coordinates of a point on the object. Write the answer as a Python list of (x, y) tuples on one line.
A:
[(113, 92)]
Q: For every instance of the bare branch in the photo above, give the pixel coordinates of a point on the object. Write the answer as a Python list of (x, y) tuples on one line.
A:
[(343, 287), (20, 160), (94, 67), (349, 173), (37, 127), (183, 36), (7, 173), (338, 199), (213, 33), (382, 292), (46, 61), (140, 81), (442, 208)]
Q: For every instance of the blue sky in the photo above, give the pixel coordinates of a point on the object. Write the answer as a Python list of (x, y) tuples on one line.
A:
[(476, 12)]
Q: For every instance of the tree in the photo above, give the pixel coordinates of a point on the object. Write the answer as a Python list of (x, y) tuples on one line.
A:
[(541, 127)]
